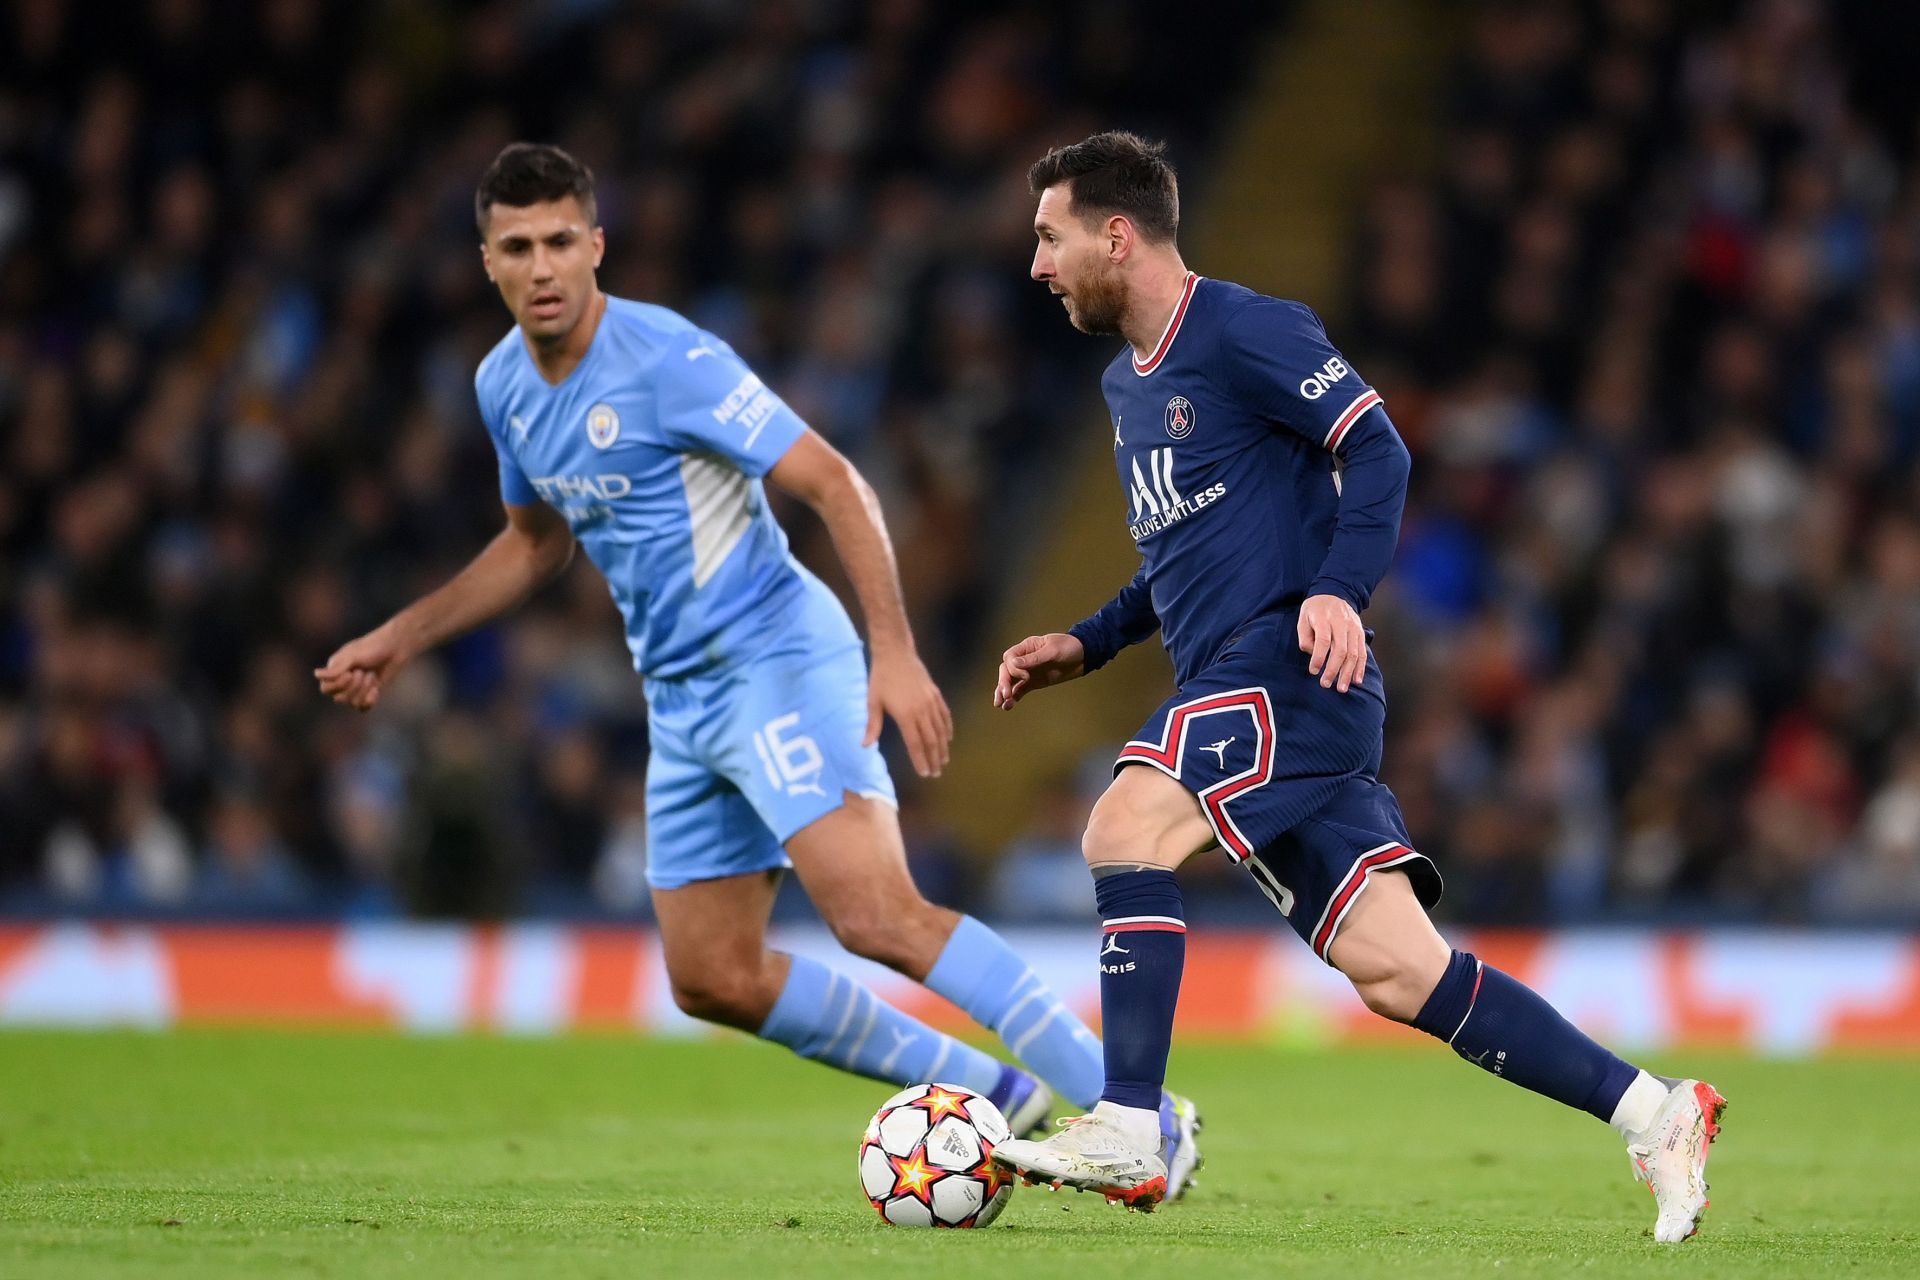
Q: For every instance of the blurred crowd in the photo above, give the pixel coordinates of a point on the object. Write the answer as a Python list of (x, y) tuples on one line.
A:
[(1651, 327), (240, 308), (1653, 333)]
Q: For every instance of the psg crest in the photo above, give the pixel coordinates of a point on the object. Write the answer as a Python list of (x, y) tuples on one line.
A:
[(603, 425), (1179, 417)]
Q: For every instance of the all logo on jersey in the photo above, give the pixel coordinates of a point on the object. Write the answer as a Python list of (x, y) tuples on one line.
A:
[(1157, 501), (518, 425), (603, 425), (1180, 417)]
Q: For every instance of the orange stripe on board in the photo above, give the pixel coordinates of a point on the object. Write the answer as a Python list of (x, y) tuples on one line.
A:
[(15, 942), (607, 988), (483, 976), (1220, 992), (1894, 1027), (1697, 1021), (231, 974)]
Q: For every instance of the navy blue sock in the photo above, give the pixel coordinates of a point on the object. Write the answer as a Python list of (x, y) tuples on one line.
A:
[(1501, 1026), (1143, 950)]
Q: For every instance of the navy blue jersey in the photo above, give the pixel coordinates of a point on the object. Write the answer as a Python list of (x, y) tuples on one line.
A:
[(1258, 468)]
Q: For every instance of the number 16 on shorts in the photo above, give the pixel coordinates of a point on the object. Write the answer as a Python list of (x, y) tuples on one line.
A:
[(792, 760)]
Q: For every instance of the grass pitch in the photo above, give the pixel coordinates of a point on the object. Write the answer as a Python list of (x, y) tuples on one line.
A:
[(270, 1154)]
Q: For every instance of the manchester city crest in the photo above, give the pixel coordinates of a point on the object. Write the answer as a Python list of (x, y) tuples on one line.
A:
[(1180, 417), (603, 425)]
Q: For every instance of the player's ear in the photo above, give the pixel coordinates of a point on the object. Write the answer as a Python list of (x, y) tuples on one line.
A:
[(599, 246), (1119, 239), (486, 260)]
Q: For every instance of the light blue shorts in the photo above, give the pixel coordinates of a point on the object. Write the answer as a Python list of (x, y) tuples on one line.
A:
[(743, 759)]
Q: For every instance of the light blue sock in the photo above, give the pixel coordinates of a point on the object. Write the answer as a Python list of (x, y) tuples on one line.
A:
[(830, 1018), (979, 972)]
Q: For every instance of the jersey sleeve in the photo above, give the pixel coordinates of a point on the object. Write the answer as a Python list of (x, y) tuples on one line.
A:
[(711, 402), (515, 489), (1127, 619), (1280, 362)]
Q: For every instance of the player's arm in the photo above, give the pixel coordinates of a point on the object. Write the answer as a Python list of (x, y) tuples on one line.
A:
[(534, 546), (1039, 662), (1281, 362), (815, 472)]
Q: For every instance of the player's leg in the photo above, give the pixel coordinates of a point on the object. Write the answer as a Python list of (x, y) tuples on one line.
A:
[(854, 867), (1143, 827), (1404, 970), (792, 740), (712, 864), (713, 937)]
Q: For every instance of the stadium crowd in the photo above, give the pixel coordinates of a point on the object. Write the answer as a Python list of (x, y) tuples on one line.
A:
[(240, 309), (1651, 329), (1653, 334)]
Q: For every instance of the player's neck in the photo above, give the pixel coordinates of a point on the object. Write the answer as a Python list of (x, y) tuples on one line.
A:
[(556, 359), (1156, 292)]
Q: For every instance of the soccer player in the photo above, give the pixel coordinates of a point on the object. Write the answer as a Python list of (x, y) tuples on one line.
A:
[(1264, 486), (624, 427)]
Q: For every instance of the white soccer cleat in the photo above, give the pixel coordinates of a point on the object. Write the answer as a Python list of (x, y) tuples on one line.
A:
[(1180, 1127), (1670, 1156), (1090, 1153)]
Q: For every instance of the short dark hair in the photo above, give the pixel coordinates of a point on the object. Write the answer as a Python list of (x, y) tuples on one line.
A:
[(1115, 172), (527, 173)]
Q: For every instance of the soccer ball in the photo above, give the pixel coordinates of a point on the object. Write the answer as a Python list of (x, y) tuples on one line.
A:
[(926, 1159)]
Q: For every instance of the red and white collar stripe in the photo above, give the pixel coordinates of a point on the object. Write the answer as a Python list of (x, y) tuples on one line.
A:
[(1173, 328), (1350, 415)]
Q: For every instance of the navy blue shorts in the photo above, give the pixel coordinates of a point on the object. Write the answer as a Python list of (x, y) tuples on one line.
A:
[(1286, 773)]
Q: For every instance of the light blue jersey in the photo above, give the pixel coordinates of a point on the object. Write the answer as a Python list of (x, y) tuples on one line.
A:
[(653, 449)]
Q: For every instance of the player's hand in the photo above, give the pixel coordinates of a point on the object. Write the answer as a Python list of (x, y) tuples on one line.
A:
[(1038, 662), (358, 670), (899, 686), (1330, 630)]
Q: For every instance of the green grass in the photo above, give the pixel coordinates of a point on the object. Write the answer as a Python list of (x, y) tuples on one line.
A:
[(261, 1154)]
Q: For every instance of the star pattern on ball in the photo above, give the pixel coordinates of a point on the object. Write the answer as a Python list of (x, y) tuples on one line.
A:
[(915, 1177), (942, 1102), (992, 1174)]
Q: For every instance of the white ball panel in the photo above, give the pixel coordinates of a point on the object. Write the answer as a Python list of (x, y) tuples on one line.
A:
[(994, 1206), (876, 1173), (901, 1129), (905, 1211), (988, 1120), (905, 1096), (954, 1199)]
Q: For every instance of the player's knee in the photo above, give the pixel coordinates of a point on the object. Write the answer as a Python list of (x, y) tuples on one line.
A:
[(874, 933), (722, 993), (1116, 833), (1398, 996)]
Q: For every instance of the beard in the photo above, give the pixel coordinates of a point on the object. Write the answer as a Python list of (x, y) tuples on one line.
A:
[(1100, 303)]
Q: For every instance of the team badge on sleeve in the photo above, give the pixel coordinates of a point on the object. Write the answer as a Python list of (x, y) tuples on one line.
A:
[(603, 425), (1180, 417)]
